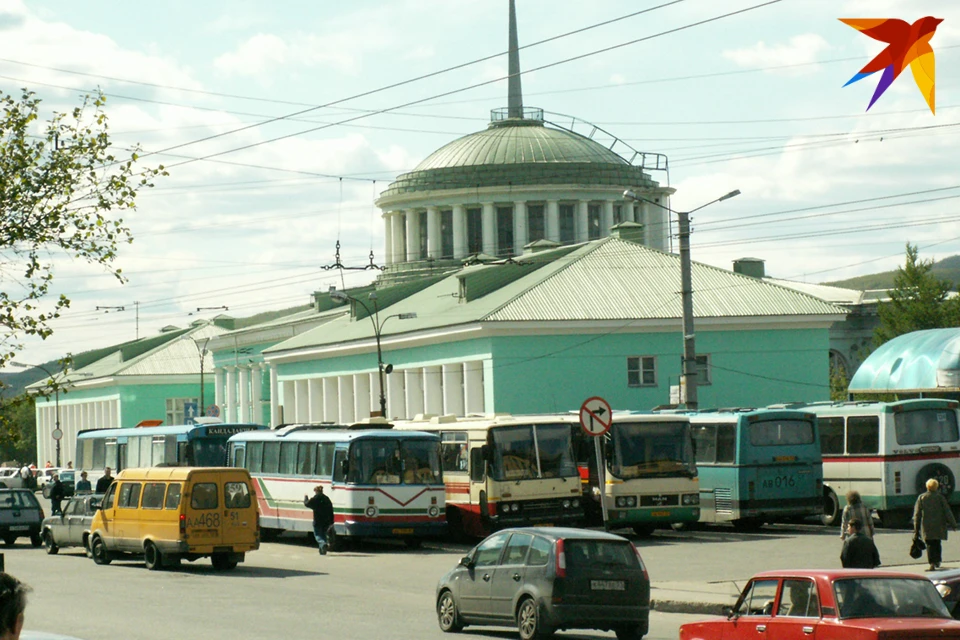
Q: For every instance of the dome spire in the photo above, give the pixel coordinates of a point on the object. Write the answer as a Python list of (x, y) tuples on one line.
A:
[(514, 93)]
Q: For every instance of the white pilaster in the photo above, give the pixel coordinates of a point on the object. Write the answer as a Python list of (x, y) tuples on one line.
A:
[(302, 411), (288, 403), (256, 394), (331, 409), (459, 231), (628, 212), (489, 224), (231, 394), (434, 239), (581, 223), (387, 237), (218, 388), (373, 383), (521, 226), (433, 389), (243, 413), (413, 235), (453, 389), (347, 414), (396, 395), (315, 391), (361, 396), (606, 218), (399, 250), (663, 232), (473, 386), (274, 398), (553, 221), (413, 381)]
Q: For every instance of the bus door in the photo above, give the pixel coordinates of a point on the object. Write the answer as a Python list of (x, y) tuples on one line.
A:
[(479, 499)]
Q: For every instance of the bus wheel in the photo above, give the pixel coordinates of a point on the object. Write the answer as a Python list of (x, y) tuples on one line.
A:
[(748, 525), (831, 509), (644, 530)]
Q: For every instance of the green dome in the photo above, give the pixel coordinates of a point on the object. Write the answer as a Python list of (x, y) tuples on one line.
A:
[(519, 152)]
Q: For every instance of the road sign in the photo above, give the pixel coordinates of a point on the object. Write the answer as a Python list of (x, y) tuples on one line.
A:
[(213, 411), (595, 416), (57, 434), (190, 411)]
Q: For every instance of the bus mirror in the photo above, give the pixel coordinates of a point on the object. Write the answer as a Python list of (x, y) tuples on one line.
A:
[(344, 467), (485, 452)]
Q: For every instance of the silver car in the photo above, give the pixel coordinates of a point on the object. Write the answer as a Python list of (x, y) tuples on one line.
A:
[(546, 579), (72, 527)]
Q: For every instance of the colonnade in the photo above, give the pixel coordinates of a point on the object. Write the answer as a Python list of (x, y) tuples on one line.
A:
[(239, 392), (75, 416)]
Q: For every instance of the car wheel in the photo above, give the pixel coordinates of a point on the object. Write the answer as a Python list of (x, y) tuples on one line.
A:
[(86, 546), (223, 561), (629, 632), (528, 621), (9, 540), (100, 553), (152, 557), (49, 543), (447, 614)]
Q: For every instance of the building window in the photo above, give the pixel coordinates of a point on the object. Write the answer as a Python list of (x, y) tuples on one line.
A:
[(641, 371), (176, 410), (593, 221), (504, 231), (703, 370), (474, 231), (422, 223), (535, 223), (446, 234), (567, 223)]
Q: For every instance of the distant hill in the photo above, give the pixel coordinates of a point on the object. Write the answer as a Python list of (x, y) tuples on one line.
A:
[(947, 269)]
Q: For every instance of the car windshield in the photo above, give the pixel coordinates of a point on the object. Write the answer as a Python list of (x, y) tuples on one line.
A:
[(888, 598)]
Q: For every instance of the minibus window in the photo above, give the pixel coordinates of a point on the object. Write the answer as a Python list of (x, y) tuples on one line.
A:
[(108, 499), (237, 495), (129, 495), (204, 496), (173, 496), (153, 495)]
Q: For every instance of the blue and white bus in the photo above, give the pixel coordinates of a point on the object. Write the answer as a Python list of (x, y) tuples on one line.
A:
[(382, 483)]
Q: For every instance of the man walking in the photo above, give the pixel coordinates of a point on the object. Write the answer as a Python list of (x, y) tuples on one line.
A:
[(104, 482), (322, 516), (859, 551), (56, 496)]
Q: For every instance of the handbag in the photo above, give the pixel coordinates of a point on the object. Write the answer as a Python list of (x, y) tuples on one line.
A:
[(917, 548)]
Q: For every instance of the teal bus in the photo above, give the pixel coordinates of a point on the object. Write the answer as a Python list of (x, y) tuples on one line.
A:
[(757, 466)]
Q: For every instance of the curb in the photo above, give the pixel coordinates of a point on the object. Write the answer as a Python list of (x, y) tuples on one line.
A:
[(681, 606)]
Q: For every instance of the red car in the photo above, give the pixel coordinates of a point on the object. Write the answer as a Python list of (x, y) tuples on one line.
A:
[(843, 604)]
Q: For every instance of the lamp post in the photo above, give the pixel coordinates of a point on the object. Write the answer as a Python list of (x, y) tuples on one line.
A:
[(57, 433), (202, 350), (341, 296), (689, 386)]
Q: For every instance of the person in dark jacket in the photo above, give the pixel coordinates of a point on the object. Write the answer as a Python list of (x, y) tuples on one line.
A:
[(859, 551), (105, 481), (322, 516), (57, 494), (931, 517)]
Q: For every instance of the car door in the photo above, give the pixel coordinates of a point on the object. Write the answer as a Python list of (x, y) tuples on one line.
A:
[(70, 534), (798, 611), (476, 579), (508, 576), (754, 611)]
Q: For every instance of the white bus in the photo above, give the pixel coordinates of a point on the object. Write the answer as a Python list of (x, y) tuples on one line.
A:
[(505, 471), (887, 451), (382, 483)]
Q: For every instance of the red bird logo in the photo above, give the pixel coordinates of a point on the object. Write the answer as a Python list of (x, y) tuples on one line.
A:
[(907, 44)]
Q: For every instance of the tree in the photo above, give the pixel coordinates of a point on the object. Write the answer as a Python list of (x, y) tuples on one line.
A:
[(18, 430), (919, 300), (61, 190)]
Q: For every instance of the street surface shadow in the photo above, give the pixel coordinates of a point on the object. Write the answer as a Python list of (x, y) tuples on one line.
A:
[(490, 632)]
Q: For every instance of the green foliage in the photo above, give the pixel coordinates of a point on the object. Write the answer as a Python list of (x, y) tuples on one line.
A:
[(839, 381), (18, 430), (61, 193), (918, 301)]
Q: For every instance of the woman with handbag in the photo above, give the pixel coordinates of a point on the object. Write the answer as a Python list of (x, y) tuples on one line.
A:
[(856, 509), (931, 517)]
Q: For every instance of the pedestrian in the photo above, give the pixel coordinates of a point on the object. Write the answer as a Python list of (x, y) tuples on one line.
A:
[(13, 602), (26, 477), (859, 551), (83, 485), (49, 465), (70, 464), (105, 481), (322, 516), (931, 517), (56, 495), (856, 509)]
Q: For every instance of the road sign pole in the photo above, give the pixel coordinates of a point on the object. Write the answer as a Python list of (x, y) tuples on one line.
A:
[(601, 480)]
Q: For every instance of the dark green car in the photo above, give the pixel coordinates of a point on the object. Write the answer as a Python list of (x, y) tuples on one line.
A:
[(20, 516)]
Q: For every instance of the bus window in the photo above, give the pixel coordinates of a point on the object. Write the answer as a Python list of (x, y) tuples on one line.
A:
[(288, 457), (132, 448), (339, 458), (146, 446), (514, 457), (477, 465), (239, 456), (650, 448), (209, 452), (325, 456), (158, 446), (420, 459), (831, 436), (726, 443), (705, 443), (86, 453), (926, 427), (778, 433), (304, 459), (375, 462), (254, 456), (555, 450), (170, 451), (453, 451), (105, 453), (271, 457), (863, 435)]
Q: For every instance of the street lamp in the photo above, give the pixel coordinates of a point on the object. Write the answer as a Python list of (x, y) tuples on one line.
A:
[(57, 433), (341, 296), (202, 350), (689, 348)]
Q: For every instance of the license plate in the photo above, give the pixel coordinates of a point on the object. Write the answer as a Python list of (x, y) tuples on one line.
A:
[(402, 532), (607, 585), (205, 533), (660, 514), (20, 527)]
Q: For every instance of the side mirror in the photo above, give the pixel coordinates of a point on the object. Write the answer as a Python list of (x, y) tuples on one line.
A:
[(728, 612), (485, 452), (466, 561), (344, 467)]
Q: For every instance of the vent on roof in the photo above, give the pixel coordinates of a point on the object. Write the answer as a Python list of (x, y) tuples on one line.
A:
[(169, 328), (752, 267), (540, 245), (629, 231)]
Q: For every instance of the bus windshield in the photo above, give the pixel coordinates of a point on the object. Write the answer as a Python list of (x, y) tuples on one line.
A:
[(776, 433), (926, 426), (392, 461), (527, 452), (645, 449), (205, 452)]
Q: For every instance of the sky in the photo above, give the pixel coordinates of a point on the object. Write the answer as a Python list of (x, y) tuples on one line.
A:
[(287, 126)]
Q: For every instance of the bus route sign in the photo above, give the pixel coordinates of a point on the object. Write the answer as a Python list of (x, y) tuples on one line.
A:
[(595, 416)]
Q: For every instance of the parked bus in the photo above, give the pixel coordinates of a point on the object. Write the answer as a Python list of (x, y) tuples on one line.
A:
[(505, 471), (651, 474), (203, 444), (887, 451), (382, 483), (757, 466)]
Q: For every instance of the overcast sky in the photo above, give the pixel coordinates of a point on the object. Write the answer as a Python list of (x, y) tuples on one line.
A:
[(753, 101)]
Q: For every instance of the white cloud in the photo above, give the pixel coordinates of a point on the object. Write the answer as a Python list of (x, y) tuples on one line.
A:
[(802, 49), (255, 57)]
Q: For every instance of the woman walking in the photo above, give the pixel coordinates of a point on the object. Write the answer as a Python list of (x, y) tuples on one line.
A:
[(931, 516), (856, 509)]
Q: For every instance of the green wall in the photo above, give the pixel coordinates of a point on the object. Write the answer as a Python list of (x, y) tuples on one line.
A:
[(140, 401)]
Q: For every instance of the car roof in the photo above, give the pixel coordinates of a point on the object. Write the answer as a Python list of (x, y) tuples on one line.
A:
[(566, 533), (11, 490), (949, 575), (835, 574)]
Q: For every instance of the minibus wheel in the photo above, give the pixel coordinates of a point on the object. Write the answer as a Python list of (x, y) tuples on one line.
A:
[(100, 553), (223, 561), (151, 556)]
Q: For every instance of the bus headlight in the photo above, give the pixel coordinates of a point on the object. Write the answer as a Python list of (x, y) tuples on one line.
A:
[(515, 507), (433, 511), (576, 502), (504, 507), (372, 511), (566, 504), (626, 502), (691, 498)]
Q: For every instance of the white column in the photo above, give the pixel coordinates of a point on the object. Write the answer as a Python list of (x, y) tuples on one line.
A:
[(453, 389), (302, 393), (489, 224), (347, 414), (218, 388), (473, 386), (520, 227), (399, 253), (243, 415), (581, 224), (606, 218), (288, 403), (553, 221), (387, 237), (231, 394), (433, 389), (627, 212), (663, 232), (396, 395), (413, 235), (256, 394), (433, 233), (413, 381), (274, 398), (331, 410), (459, 231), (373, 383), (315, 391), (361, 396)]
